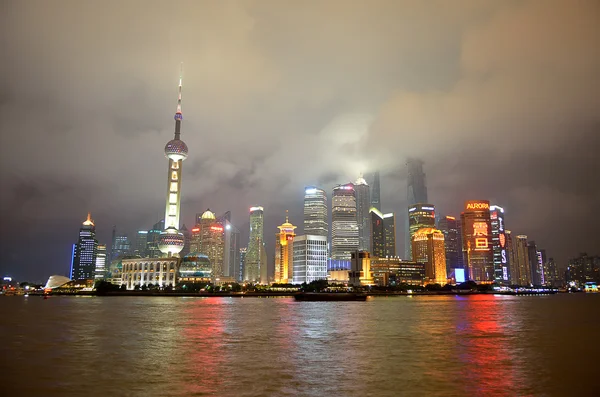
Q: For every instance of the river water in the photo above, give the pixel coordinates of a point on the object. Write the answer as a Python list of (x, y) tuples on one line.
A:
[(397, 346)]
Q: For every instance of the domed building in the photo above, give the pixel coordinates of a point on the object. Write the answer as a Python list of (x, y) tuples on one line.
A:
[(195, 268)]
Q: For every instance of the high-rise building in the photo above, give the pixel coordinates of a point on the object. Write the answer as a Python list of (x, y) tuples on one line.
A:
[(501, 259), (477, 241), (420, 215), (84, 262), (535, 264), (242, 264), (315, 211), (284, 252), (450, 226), (551, 273), (429, 248), (383, 234), (255, 256), (309, 259), (100, 269), (416, 193), (344, 227), (513, 272), (231, 257), (523, 276), (376, 191), (152, 250), (583, 269), (171, 240), (121, 247), (141, 243), (363, 203), (360, 269), (208, 237)]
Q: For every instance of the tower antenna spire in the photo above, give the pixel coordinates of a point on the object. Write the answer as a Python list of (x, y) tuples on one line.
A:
[(178, 114)]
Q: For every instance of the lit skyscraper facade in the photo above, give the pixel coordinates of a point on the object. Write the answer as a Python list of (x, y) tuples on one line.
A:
[(309, 259), (376, 191), (344, 227), (428, 247), (84, 261), (420, 216), (535, 263), (121, 246), (363, 203), (231, 257), (416, 193), (171, 240), (152, 250), (284, 252), (100, 270), (254, 262), (208, 238), (501, 258), (383, 234), (477, 241), (242, 265), (523, 276), (450, 226), (315, 211)]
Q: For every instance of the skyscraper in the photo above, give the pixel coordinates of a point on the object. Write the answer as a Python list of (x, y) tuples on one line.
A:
[(376, 191), (141, 243), (383, 234), (231, 257), (84, 262), (315, 211), (453, 243), (501, 259), (255, 264), (428, 247), (344, 227), (100, 269), (186, 241), (121, 246), (209, 238), (416, 193), (420, 215), (242, 265), (309, 259), (152, 250), (171, 240), (513, 273), (477, 241), (522, 256), (535, 264), (363, 203), (284, 252)]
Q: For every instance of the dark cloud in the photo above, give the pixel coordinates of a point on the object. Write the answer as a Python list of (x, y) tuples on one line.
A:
[(499, 98)]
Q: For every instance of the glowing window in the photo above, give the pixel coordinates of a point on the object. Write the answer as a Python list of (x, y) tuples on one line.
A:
[(175, 165), (173, 186), (173, 210), (174, 175), (173, 198)]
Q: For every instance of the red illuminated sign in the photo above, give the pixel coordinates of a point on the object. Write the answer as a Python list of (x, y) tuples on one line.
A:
[(217, 228), (195, 230), (290, 238), (502, 240)]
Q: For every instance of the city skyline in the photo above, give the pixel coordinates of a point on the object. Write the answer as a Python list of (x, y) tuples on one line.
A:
[(95, 119)]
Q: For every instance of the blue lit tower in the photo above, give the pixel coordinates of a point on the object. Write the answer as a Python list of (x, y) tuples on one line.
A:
[(171, 240)]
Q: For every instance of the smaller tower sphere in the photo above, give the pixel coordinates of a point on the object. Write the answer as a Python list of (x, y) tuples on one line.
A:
[(176, 150)]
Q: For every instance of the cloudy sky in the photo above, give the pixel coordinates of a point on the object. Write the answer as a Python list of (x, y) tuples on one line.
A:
[(499, 98)]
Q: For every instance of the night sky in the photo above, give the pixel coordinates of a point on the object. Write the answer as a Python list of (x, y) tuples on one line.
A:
[(499, 98)]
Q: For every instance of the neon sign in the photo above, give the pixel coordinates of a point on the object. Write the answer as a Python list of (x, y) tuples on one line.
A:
[(217, 228), (480, 229), (478, 206), (481, 243), (195, 230), (502, 238), (503, 256)]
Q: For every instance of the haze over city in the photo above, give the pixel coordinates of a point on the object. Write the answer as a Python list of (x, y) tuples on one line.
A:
[(497, 101)]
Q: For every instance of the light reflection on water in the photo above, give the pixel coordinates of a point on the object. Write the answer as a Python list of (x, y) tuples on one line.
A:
[(435, 345)]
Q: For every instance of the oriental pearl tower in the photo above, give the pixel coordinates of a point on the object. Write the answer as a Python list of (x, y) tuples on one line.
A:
[(171, 239)]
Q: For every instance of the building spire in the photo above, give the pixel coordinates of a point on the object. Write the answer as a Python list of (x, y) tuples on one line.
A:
[(287, 218), (178, 114), (89, 221)]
